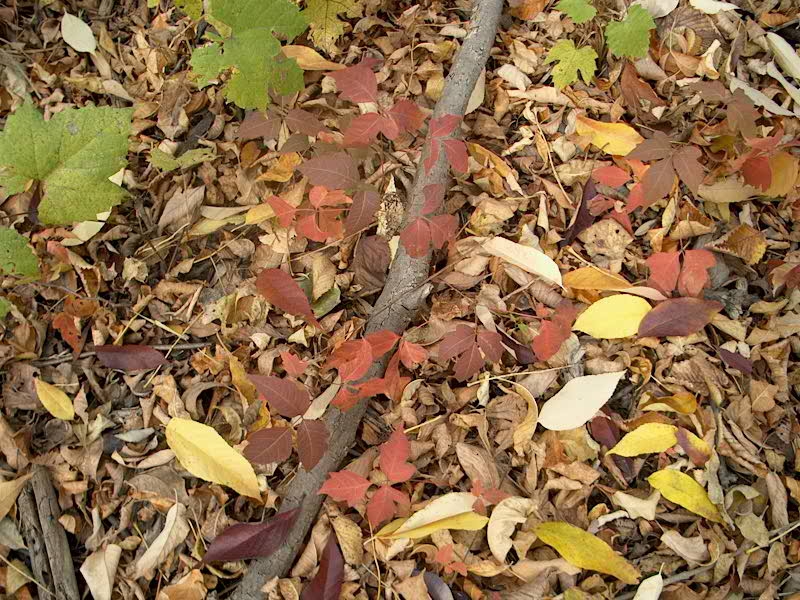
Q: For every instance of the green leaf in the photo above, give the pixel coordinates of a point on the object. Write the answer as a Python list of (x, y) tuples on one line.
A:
[(571, 60), (5, 308), (73, 155), (631, 36), (16, 256), (326, 26), (193, 8), (250, 50), (579, 11), (164, 162)]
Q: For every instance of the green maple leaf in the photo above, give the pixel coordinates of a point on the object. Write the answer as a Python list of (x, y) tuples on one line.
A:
[(16, 257), (631, 36), (571, 60), (326, 26), (247, 47), (579, 11), (72, 155)]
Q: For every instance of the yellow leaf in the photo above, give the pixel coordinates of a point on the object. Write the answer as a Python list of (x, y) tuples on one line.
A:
[(612, 138), (681, 489), (204, 453), (241, 381), (613, 317), (586, 551), (54, 400), (9, 490), (283, 169), (648, 438), (309, 59), (259, 213), (784, 174), (451, 511), (682, 402), (594, 278)]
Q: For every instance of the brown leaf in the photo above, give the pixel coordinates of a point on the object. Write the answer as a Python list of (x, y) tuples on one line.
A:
[(744, 242), (687, 164), (312, 442), (678, 317), (269, 445), (658, 180), (129, 357)]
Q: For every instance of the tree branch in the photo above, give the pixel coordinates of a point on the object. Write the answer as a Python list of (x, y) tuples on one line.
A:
[(404, 293)]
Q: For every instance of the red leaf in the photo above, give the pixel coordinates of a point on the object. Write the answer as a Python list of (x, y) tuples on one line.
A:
[(293, 365), (412, 354), (288, 398), (252, 540), (611, 176), (394, 458), (282, 291), (385, 503), (456, 342), (381, 341), (257, 125), (416, 238), (364, 129), (468, 363), (320, 196), (694, 274), (556, 331), (307, 227), (130, 357), (434, 194), (491, 344), (687, 164), (302, 121), (443, 228), (679, 317), (393, 382), (353, 359), (345, 486), (269, 445), (69, 328), (283, 210), (757, 172), (334, 171), (656, 148), (327, 583), (433, 154), (456, 151), (658, 181), (357, 83), (736, 361), (312, 442), (407, 115), (362, 211), (664, 270), (444, 125), (635, 198)]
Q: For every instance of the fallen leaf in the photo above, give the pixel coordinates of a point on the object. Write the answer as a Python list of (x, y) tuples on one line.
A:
[(269, 445), (77, 34), (203, 452), (312, 442), (586, 551), (526, 258), (9, 490), (345, 486), (594, 278), (100, 569), (287, 397), (646, 439), (54, 400), (650, 588), (309, 59), (282, 291), (394, 457), (129, 357), (176, 529), (694, 275), (743, 242), (450, 511), (578, 401), (678, 317), (612, 138), (614, 317), (252, 540), (683, 490), (504, 519), (327, 583)]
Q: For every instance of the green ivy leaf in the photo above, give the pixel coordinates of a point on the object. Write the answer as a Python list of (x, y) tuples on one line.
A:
[(571, 60), (326, 26), (249, 48), (164, 162), (5, 308), (193, 8), (579, 11), (73, 155), (16, 256), (631, 36)]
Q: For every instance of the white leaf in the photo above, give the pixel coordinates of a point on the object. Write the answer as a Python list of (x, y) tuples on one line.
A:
[(176, 528), (650, 588), (99, 570), (793, 92), (785, 55), (478, 93), (638, 507), (441, 511), (505, 517), (526, 258), (514, 76), (758, 98), (77, 34), (578, 401), (657, 8), (712, 7)]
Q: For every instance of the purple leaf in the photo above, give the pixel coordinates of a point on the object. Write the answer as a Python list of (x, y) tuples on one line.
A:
[(736, 361), (129, 358), (252, 540), (437, 588), (327, 583), (362, 211)]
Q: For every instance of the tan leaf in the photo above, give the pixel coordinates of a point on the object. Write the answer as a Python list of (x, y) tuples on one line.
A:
[(350, 540), (504, 519), (190, 587), (744, 242), (99, 570), (176, 529), (523, 433), (9, 490), (309, 59)]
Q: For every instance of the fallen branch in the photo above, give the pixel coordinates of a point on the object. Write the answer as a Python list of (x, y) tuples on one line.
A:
[(404, 293)]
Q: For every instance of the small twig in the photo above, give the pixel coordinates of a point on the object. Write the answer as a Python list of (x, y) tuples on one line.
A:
[(57, 360)]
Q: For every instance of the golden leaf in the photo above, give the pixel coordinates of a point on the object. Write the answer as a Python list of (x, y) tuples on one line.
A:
[(682, 489), (54, 400), (612, 138), (744, 242), (613, 317)]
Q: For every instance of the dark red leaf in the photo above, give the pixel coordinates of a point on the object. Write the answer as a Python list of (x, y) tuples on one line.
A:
[(605, 431), (665, 267), (362, 211), (757, 172), (443, 228), (257, 125), (345, 486), (491, 344), (312, 442), (394, 458), (327, 583), (416, 238), (407, 115), (269, 445), (456, 151), (130, 357), (658, 181), (583, 217), (678, 317), (334, 171), (284, 211), (381, 341), (282, 291), (694, 274), (412, 354), (288, 398), (468, 363), (656, 148), (687, 163), (353, 359), (444, 125), (456, 342), (293, 365), (357, 83), (252, 540), (385, 503), (736, 361)]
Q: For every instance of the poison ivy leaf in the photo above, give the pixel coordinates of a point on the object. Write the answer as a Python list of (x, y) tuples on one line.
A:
[(357, 83), (334, 171), (327, 583), (694, 274), (252, 540), (742, 114), (326, 26), (394, 457), (293, 365), (248, 48), (269, 445), (571, 61), (579, 11), (312, 442), (345, 486), (385, 504), (664, 270), (72, 155), (282, 291), (16, 257), (287, 397), (555, 331), (631, 36)]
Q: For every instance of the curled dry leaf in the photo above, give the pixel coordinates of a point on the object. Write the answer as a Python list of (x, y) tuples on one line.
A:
[(450, 511), (100, 569), (526, 258), (176, 528), (503, 521), (578, 401)]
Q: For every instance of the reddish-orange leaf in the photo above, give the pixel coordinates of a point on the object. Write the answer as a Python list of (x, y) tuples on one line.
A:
[(407, 115), (393, 382), (353, 359), (287, 397), (443, 228), (412, 354), (284, 211), (312, 442), (282, 291), (444, 125), (357, 83), (416, 237), (556, 331), (457, 156), (385, 504), (394, 458), (381, 341), (757, 172), (294, 366), (69, 328), (664, 270), (611, 176), (679, 317), (694, 274), (364, 129), (345, 486), (269, 445)]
